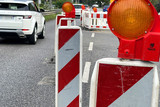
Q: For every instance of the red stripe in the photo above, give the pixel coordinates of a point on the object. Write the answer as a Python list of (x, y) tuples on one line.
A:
[(63, 22), (75, 102), (110, 81), (68, 73), (98, 15), (104, 26), (104, 15), (97, 26), (92, 15), (72, 21), (65, 35), (91, 26), (58, 19)]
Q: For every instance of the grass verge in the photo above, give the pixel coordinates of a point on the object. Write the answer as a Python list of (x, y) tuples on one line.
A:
[(50, 17)]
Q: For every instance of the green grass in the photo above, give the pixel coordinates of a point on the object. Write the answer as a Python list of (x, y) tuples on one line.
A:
[(50, 17)]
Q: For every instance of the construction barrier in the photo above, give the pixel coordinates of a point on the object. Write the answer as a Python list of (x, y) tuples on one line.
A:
[(68, 66), (91, 20), (124, 83)]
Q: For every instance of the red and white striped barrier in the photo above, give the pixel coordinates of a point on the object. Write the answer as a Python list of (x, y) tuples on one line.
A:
[(93, 20), (117, 83), (68, 66), (99, 20)]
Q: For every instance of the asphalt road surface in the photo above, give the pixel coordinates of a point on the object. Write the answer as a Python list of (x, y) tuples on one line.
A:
[(27, 71)]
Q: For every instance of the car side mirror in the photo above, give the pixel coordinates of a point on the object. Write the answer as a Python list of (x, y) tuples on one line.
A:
[(41, 10)]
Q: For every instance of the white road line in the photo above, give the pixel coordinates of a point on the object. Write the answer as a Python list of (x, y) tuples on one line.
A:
[(85, 77), (90, 46), (93, 35)]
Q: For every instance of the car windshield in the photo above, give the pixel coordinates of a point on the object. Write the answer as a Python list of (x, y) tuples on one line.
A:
[(13, 6), (86, 6), (77, 6)]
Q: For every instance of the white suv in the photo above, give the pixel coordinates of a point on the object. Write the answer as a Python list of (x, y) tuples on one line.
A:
[(21, 18)]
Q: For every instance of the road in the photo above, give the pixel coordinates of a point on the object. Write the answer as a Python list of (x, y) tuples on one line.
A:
[(27, 72)]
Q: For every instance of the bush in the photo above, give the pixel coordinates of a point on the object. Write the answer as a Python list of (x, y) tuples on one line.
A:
[(45, 6), (50, 17)]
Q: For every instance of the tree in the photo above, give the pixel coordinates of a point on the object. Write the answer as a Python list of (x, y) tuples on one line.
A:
[(59, 3)]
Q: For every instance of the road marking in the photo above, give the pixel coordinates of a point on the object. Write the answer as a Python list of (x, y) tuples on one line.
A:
[(93, 35), (90, 46), (85, 77), (47, 81)]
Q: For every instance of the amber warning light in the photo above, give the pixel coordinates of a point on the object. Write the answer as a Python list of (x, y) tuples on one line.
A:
[(69, 10), (136, 24)]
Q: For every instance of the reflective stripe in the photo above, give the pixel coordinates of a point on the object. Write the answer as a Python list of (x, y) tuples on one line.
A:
[(137, 91), (69, 50), (69, 93), (101, 15)]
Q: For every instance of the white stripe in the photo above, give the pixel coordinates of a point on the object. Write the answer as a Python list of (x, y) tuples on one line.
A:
[(69, 50), (85, 77), (101, 15), (93, 34), (139, 95), (101, 27), (90, 46), (94, 15), (94, 27), (69, 93)]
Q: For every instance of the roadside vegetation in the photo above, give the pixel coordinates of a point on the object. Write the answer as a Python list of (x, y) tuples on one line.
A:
[(57, 4), (50, 17)]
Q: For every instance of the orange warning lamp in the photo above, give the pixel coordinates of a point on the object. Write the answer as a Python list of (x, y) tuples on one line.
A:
[(137, 25), (83, 7), (69, 10), (94, 9)]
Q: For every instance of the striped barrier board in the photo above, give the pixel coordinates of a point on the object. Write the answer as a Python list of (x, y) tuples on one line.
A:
[(117, 83), (68, 66)]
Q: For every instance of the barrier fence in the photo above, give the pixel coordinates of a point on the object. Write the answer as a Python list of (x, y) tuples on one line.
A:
[(91, 20)]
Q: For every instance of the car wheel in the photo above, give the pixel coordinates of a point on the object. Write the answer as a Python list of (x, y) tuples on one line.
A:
[(33, 37), (43, 33)]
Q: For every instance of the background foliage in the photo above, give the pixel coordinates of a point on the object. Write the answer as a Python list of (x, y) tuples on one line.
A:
[(101, 3)]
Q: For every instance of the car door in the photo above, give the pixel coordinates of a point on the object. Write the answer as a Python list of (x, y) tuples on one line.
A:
[(39, 18), (36, 16)]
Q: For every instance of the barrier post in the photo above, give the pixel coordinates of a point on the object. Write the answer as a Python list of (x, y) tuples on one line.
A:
[(68, 66), (68, 72)]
